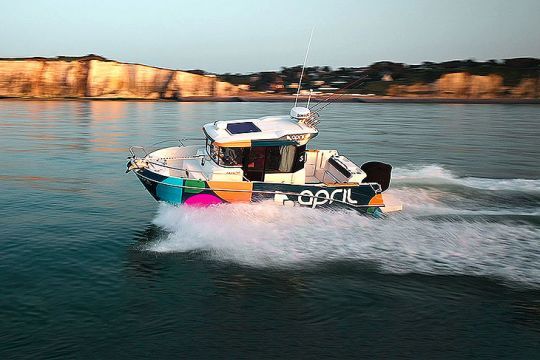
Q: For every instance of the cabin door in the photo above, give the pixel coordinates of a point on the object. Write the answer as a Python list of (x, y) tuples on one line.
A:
[(254, 163)]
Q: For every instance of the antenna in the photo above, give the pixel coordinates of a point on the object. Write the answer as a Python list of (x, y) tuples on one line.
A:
[(303, 67)]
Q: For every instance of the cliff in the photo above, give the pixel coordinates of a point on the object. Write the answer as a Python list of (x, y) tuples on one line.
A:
[(465, 85), (96, 77), (509, 79)]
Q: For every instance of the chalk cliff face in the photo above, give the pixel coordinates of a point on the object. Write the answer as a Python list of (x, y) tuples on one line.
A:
[(527, 88), (464, 85), (91, 78), (94, 77)]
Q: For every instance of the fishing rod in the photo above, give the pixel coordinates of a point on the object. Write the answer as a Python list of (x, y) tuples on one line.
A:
[(313, 118), (314, 107)]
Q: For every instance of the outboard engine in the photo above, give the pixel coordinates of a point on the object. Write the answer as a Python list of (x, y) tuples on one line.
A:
[(377, 172)]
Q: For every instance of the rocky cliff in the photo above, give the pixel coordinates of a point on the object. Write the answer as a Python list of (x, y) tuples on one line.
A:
[(465, 85), (96, 77)]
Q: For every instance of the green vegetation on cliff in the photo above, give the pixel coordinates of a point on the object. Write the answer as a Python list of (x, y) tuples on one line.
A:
[(381, 76)]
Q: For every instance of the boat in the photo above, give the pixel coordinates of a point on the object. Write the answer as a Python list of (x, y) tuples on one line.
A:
[(263, 159)]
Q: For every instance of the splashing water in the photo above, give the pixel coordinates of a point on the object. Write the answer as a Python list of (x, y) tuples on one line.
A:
[(476, 240), (435, 174)]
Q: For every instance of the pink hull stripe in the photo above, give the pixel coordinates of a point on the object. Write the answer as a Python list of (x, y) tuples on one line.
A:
[(203, 200)]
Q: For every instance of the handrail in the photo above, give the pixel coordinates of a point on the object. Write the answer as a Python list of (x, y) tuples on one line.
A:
[(187, 171), (170, 167), (131, 148), (146, 153), (189, 139), (181, 141), (192, 157), (157, 164)]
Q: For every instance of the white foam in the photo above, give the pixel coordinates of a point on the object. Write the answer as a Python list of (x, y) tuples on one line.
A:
[(436, 174), (268, 235), (433, 201)]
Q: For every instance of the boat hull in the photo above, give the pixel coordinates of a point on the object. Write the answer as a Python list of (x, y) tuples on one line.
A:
[(176, 191)]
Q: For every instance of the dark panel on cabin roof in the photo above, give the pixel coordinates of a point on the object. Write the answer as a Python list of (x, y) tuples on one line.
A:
[(242, 128)]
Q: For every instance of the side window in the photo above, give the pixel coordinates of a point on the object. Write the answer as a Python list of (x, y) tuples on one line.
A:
[(225, 156), (208, 146), (213, 151), (256, 158), (280, 159), (273, 158), (232, 156)]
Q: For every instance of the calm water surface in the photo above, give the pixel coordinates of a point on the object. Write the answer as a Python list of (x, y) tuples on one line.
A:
[(92, 267)]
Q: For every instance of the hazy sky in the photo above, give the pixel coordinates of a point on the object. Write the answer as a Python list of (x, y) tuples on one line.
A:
[(244, 36)]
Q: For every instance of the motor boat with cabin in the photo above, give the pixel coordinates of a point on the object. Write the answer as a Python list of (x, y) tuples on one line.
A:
[(261, 159)]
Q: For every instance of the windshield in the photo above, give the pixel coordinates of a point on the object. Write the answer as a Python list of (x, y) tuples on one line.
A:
[(270, 159), (225, 156)]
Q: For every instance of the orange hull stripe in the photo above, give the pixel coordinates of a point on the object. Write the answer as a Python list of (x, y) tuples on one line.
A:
[(240, 191), (376, 200)]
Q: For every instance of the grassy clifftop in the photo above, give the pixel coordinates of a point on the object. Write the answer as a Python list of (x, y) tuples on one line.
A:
[(517, 77)]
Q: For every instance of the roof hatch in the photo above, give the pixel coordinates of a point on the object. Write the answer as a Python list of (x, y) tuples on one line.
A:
[(242, 128)]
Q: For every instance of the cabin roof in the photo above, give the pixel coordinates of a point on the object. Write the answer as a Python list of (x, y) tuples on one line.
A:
[(234, 133)]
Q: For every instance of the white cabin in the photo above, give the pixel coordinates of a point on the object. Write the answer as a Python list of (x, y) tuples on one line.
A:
[(270, 149)]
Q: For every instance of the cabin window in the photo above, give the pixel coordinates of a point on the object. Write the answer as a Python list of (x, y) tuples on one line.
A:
[(231, 156), (263, 159), (284, 159), (225, 156), (280, 159)]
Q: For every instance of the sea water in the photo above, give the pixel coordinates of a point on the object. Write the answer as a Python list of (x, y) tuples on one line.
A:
[(92, 267)]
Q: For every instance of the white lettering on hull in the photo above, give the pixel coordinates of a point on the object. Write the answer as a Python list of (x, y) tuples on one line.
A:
[(322, 197)]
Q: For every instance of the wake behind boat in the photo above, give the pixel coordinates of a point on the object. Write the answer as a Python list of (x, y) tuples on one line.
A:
[(262, 159)]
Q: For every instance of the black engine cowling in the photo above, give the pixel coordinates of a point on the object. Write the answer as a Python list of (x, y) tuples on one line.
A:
[(377, 172)]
